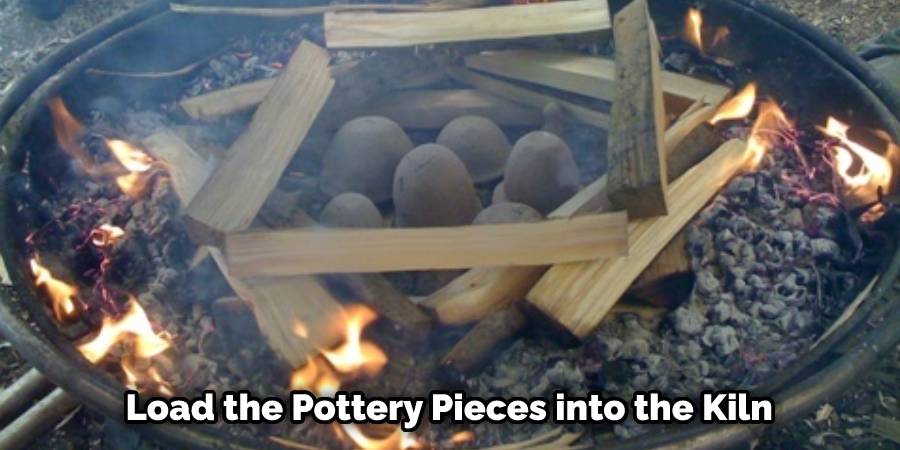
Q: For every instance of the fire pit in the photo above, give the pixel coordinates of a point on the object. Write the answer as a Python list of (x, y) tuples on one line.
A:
[(126, 219)]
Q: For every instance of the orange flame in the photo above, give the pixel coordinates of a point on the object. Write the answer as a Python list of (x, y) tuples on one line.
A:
[(462, 437), (770, 124), (863, 171), (129, 156), (137, 379), (62, 295), (737, 107), (68, 131), (693, 26), (354, 354), (721, 36), (134, 323), (106, 235)]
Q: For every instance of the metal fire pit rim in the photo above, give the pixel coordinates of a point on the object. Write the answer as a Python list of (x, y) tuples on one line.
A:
[(99, 391)]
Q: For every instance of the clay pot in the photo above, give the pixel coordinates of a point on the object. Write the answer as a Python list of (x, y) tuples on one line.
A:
[(479, 143), (432, 188), (499, 195), (507, 213), (541, 172), (362, 157), (351, 210)]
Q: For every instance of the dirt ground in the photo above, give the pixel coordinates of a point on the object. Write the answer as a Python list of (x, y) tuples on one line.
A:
[(846, 423)]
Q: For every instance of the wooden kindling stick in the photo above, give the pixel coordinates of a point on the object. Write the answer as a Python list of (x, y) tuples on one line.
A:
[(343, 30), (305, 251)]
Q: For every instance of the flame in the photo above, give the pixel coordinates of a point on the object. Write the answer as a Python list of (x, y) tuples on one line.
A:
[(133, 184), (737, 107), (301, 330), (871, 175), (129, 156), (137, 379), (462, 437), (721, 36), (396, 440), (106, 235), (693, 26), (316, 376), (134, 323), (68, 131), (771, 122), (354, 354), (62, 295)]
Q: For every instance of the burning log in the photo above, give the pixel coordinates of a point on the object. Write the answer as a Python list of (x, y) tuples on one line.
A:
[(297, 315), (432, 109), (637, 167), (37, 420), (408, 318), (481, 291), (343, 30), (17, 395), (299, 251), (578, 296), (587, 75), (527, 97), (187, 169), (230, 199)]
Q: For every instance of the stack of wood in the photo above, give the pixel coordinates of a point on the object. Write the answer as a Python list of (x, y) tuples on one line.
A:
[(665, 164)]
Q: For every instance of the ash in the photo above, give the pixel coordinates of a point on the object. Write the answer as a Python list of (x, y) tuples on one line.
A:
[(773, 269)]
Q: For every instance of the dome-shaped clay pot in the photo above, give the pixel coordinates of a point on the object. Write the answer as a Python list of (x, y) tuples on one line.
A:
[(351, 210), (507, 213), (362, 157), (432, 188), (499, 195), (479, 143), (541, 172)]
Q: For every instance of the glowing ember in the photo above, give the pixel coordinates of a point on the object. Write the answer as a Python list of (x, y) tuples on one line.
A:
[(396, 440), (300, 330), (462, 437), (354, 354), (133, 324), (693, 26), (737, 107), (721, 36), (138, 380), (863, 171), (129, 156), (62, 295), (106, 235), (770, 125)]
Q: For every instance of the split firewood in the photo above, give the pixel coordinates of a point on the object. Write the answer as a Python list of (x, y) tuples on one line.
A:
[(432, 109), (590, 76), (234, 99), (37, 420), (406, 317), (578, 296), (696, 144), (665, 280), (296, 12), (636, 179), (230, 198), (187, 169), (344, 30), (527, 97), (297, 315), (304, 251), (481, 291), (356, 83)]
